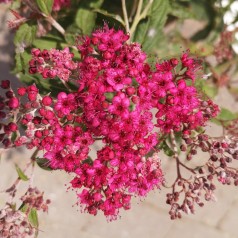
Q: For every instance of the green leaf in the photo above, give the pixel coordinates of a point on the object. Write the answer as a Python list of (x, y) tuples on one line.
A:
[(167, 150), (21, 62), (89, 160), (13, 136), (43, 163), (209, 89), (71, 34), (85, 16), (21, 174), (45, 6), (149, 30), (226, 115), (45, 44), (25, 36), (107, 14), (33, 218), (180, 11), (24, 208)]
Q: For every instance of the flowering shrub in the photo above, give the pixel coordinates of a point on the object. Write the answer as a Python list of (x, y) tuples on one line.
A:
[(109, 91)]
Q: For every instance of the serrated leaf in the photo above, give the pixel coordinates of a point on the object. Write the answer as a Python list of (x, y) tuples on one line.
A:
[(43, 164), (85, 18), (149, 30), (21, 174), (107, 14), (45, 6), (33, 218), (226, 115), (24, 36)]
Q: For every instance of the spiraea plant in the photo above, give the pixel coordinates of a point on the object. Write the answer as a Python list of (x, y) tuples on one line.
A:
[(98, 81)]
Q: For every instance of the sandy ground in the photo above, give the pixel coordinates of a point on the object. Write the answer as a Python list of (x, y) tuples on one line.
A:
[(147, 218)]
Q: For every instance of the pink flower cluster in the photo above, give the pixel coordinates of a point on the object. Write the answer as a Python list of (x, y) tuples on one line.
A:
[(117, 91), (52, 63)]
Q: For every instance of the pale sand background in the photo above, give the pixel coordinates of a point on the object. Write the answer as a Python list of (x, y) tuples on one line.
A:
[(146, 219)]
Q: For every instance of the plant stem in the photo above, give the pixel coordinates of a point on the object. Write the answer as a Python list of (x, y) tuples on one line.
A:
[(125, 16), (133, 10), (140, 15), (175, 149), (55, 24)]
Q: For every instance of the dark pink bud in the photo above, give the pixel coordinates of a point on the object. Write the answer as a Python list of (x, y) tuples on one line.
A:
[(224, 145), (38, 134), (42, 111), (35, 52), (105, 104), (70, 117), (35, 105), (32, 70), (5, 84), (32, 96), (36, 120), (133, 72), (107, 55), (47, 100), (12, 126), (49, 115), (46, 132), (45, 54), (45, 121), (27, 105), (32, 88), (13, 103), (45, 73), (135, 99), (6, 142), (9, 94), (32, 63), (95, 40), (174, 62), (97, 197), (21, 91), (130, 91)]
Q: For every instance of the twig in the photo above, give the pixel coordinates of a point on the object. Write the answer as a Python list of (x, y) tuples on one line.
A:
[(55, 24), (139, 16), (123, 2), (175, 149), (133, 10)]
